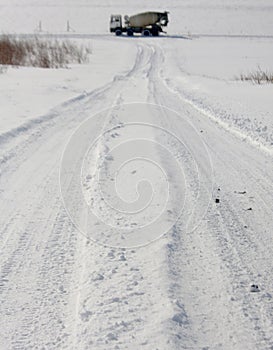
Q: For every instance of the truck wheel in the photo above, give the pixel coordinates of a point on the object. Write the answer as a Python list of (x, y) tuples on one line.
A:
[(155, 32), (118, 32), (146, 32), (130, 32)]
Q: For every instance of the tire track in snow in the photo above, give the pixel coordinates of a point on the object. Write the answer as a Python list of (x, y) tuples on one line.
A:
[(119, 278), (117, 301), (27, 152), (46, 289), (232, 256)]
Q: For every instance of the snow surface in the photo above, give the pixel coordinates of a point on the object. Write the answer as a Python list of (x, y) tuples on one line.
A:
[(110, 234)]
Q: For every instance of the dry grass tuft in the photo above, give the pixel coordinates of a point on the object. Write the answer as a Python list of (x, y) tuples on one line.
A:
[(36, 52), (258, 77)]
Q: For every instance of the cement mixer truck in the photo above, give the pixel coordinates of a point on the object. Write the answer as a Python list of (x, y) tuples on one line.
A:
[(146, 23)]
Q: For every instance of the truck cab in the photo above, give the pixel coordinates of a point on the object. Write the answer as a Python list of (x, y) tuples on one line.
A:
[(116, 24)]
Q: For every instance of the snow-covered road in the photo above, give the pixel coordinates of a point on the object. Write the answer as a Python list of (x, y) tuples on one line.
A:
[(158, 264)]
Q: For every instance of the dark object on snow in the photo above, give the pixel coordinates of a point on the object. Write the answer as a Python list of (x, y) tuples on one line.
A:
[(242, 192), (254, 288), (249, 208), (217, 200)]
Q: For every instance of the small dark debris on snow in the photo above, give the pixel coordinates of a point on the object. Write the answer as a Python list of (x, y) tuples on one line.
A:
[(254, 288), (242, 192), (249, 208), (217, 200)]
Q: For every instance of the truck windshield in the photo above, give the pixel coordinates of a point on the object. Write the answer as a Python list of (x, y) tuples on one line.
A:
[(114, 19)]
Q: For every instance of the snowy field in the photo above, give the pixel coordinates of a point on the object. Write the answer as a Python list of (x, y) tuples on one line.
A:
[(110, 233)]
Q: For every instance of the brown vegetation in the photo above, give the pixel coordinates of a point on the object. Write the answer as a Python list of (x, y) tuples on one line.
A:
[(39, 52)]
